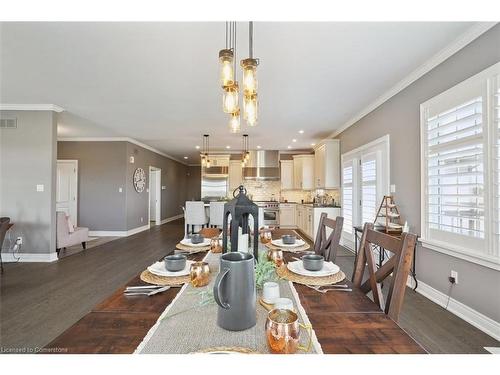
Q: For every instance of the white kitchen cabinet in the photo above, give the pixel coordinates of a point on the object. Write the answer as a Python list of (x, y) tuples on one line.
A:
[(287, 215), (303, 172), (309, 221), (327, 164), (287, 182), (307, 218), (235, 175), (299, 216)]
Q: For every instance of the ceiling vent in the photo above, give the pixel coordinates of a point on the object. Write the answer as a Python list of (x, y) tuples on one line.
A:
[(8, 123)]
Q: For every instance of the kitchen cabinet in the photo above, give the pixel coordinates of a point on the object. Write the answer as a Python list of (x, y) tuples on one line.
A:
[(235, 175), (287, 181), (307, 218), (287, 215), (303, 172), (327, 164)]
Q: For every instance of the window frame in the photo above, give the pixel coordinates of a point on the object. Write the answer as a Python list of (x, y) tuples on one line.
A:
[(483, 83)]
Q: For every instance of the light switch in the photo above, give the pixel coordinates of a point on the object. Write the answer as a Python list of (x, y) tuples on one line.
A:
[(163, 188), (40, 187), (132, 160), (120, 190), (393, 188)]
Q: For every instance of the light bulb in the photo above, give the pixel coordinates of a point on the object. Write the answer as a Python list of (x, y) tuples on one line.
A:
[(243, 163), (230, 98), (250, 104), (234, 123), (208, 163), (226, 67), (249, 76), (247, 156)]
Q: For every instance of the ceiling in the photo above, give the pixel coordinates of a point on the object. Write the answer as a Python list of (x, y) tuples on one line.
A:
[(159, 82)]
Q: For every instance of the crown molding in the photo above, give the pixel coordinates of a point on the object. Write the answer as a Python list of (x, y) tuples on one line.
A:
[(31, 107), (120, 139), (467, 37)]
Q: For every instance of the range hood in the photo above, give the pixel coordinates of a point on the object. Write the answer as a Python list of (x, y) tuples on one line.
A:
[(262, 165)]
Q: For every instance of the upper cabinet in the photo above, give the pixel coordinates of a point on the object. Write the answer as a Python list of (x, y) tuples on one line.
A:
[(303, 172), (235, 174), (327, 164), (287, 182)]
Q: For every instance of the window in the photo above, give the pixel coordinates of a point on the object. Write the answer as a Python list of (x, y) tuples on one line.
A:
[(456, 179), (365, 180)]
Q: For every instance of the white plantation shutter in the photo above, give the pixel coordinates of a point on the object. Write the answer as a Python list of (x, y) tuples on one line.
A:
[(347, 195), (496, 178), (369, 197)]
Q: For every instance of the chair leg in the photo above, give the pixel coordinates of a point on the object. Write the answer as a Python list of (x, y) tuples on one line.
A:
[(58, 251), (84, 245)]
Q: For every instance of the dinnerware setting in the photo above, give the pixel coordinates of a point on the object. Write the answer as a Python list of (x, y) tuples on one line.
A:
[(197, 238), (288, 239), (328, 269), (312, 262), (202, 243), (160, 268), (199, 274), (175, 262), (283, 332), (296, 243)]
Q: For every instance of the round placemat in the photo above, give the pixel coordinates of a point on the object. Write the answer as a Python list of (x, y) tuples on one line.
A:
[(304, 247), (150, 278), (192, 249), (284, 273)]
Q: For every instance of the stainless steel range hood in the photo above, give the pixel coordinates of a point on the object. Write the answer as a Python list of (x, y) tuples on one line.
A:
[(262, 165)]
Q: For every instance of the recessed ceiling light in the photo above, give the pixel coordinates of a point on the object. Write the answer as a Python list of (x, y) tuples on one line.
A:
[(294, 140), (301, 132), (197, 147), (228, 147), (258, 146), (289, 146), (185, 157), (313, 144)]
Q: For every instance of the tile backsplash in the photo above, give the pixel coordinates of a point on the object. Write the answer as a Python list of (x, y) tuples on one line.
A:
[(264, 191)]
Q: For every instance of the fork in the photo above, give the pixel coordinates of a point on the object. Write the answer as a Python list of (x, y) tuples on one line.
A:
[(338, 288), (146, 293)]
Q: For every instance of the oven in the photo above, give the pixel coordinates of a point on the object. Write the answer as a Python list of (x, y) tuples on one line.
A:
[(271, 216)]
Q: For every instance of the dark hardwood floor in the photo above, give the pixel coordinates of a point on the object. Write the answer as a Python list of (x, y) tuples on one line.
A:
[(39, 301)]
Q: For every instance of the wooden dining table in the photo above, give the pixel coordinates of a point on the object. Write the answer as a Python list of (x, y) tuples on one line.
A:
[(344, 322)]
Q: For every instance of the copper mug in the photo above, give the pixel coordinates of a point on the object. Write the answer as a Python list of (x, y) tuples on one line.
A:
[(283, 332), (276, 256), (215, 246), (200, 274)]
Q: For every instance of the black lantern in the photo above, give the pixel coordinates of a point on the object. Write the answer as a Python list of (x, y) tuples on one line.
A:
[(240, 208)]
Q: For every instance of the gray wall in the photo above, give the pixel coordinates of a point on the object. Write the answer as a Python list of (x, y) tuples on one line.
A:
[(173, 177), (101, 172), (400, 117), (194, 183), (28, 158)]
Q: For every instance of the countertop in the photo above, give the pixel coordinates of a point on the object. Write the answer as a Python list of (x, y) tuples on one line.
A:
[(314, 205)]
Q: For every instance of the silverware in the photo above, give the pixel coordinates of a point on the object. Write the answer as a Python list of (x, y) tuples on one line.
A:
[(142, 287), (146, 293), (329, 289)]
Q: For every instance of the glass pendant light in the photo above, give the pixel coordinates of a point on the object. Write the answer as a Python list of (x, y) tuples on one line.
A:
[(226, 59), (230, 98), (250, 106), (234, 122), (249, 76)]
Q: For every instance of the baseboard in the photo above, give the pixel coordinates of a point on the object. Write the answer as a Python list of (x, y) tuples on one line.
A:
[(117, 233), (29, 257), (478, 320), (138, 230), (169, 219)]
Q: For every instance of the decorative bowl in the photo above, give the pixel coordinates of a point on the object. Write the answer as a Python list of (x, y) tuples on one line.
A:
[(288, 239), (197, 238), (312, 262), (176, 262)]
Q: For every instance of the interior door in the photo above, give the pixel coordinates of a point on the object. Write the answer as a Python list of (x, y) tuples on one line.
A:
[(67, 188)]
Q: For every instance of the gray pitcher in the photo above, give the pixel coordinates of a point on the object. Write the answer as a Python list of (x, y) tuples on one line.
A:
[(234, 291)]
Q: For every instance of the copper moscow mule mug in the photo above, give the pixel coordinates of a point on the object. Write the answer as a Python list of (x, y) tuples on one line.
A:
[(276, 256), (283, 332), (200, 274)]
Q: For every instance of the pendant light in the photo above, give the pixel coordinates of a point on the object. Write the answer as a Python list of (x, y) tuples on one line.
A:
[(245, 154), (205, 160), (249, 65), (230, 97), (234, 122), (226, 59)]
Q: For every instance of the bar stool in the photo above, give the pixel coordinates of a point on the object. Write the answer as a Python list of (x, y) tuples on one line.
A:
[(194, 214), (216, 214)]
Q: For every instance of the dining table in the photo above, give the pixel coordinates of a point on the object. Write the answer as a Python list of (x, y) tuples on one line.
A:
[(347, 322)]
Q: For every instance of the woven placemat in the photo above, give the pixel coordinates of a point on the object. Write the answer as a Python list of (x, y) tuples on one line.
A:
[(192, 249), (150, 278), (304, 247), (284, 273)]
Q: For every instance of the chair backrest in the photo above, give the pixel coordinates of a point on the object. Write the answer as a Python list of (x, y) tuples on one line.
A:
[(195, 213), (217, 213), (398, 264), (328, 245), (61, 225), (4, 226)]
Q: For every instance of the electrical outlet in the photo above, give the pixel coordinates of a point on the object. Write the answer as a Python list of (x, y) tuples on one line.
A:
[(19, 240), (454, 275)]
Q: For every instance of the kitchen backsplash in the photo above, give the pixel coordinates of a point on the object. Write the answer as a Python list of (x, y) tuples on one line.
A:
[(264, 190)]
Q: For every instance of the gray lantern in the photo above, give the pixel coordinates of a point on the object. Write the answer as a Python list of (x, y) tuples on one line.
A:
[(240, 208)]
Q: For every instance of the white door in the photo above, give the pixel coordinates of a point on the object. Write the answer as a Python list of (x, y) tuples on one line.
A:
[(155, 195), (67, 188)]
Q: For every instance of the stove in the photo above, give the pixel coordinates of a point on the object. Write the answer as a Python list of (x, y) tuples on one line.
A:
[(269, 212)]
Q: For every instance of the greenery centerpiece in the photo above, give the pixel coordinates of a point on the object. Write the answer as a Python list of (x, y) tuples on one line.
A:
[(265, 270)]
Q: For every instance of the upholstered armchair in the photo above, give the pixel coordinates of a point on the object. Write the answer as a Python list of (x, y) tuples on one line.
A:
[(67, 237)]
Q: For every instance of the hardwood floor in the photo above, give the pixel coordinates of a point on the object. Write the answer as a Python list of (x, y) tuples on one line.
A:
[(39, 301)]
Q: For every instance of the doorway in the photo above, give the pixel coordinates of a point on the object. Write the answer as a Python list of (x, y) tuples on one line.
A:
[(154, 196), (67, 188)]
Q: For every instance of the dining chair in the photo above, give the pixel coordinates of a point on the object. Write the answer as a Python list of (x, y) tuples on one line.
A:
[(4, 227), (195, 215), (216, 214), (328, 246), (210, 232), (398, 264)]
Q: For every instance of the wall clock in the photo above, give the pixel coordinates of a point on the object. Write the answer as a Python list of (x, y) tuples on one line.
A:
[(139, 180)]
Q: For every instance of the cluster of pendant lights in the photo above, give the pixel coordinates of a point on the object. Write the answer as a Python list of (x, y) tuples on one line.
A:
[(205, 150), (230, 98), (245, 154)]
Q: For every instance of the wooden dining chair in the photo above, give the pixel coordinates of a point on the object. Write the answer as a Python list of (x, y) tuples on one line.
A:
[(399, 265), (328, 246)]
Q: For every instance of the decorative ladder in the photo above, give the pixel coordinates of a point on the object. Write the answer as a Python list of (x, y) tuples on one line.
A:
[(389, 213)]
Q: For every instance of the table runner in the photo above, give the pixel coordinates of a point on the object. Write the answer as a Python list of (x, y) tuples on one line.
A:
[(186, 326)]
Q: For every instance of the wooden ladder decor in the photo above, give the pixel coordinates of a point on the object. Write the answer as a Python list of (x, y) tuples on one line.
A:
[(389, 213)]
